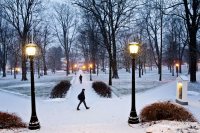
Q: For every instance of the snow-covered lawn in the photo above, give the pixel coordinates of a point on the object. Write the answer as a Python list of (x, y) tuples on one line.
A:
[(106, 115), (43, 85), (149, 80)]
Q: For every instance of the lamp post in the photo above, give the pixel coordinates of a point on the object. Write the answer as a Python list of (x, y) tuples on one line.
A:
[(31, 51), (177, 65), (75, 68), (90, 66), (133, 118)]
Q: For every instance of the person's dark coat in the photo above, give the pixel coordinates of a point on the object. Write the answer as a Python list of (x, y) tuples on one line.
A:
[(81, 96), (80, 77)]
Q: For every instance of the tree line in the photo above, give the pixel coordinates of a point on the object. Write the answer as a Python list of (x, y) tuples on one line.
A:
[(99, 31)]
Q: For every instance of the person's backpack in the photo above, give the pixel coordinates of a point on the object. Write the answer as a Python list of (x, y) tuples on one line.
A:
[(79, 97)]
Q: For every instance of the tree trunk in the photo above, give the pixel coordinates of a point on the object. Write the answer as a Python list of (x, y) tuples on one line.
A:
[(180, 65), (4, 64), (142, 68), (103, 64), (97, 69), (14, 74), (114, 69), (193, 56), (94, 66), (160, 71), (139, 69), (68, 72), (44, 65), (11, 69), (15, 65), (4, 60), (128, 67), (110, 70), (23, 58), (161, 45), (4, 70), (114, 60), (144, 64), (38, 68)]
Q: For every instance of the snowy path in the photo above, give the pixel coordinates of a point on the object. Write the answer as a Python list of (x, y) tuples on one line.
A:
[(76, 88), (105, 115)]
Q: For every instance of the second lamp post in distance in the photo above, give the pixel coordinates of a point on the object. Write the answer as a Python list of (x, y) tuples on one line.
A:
[(177, 65), (90, 66)]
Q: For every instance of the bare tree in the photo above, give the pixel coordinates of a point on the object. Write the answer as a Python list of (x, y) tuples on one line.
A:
[(14, 55), (90, 30), (54, 55), (189, 11), (46, 41), (154, 20), (1, 54), (124, 38), (192, 18), (110, 16), (20, 13), (83, 45), (43, 38), (176, 40), (7, 34), (66, 21)]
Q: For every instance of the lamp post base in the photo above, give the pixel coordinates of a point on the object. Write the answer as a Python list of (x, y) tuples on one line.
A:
[(34, 123), (133, 119)]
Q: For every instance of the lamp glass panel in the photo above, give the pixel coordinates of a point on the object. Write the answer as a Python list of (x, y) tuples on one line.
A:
[(133, 48), (31, 51)]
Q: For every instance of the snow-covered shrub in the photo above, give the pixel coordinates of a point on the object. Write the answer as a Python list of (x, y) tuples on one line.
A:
[(60, 90), (165, 111), (102, 89), (8, 121)]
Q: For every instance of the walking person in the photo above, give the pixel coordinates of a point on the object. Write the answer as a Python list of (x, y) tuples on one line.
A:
[(81, 97), (80, 78)]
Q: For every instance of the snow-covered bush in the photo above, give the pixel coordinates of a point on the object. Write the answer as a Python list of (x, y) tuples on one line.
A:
[(60, 90), (8, 121), (165, 111), (102, 89)]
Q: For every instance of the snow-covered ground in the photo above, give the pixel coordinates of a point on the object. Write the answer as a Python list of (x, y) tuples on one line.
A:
[(43, 85), (106, 115)]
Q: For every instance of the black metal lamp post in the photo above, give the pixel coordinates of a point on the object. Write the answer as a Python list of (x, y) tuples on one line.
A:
[(34, 122), (177, 65), (133, 118), (90, 72)]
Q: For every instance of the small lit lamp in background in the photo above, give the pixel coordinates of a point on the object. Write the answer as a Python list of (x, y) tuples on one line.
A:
[(75, 68), (83, 67), (90, 66), (31, 52), (134, 48), (17, 70), (177, 65), (180, 88)]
